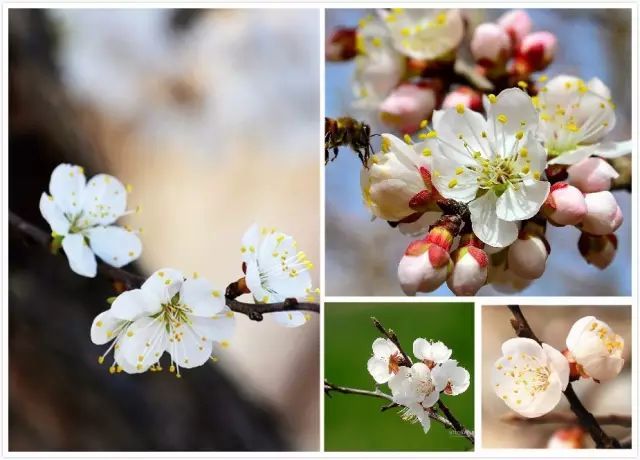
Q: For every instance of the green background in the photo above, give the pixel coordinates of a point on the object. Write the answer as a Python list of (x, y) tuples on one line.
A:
[(355, 423)]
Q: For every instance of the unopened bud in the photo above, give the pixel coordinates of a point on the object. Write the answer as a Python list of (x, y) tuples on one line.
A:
[(536, 52), (517, 24), (465, 96), (469, 272), (341, 45), (407, 106), (490, 45), (528, 254), (603, 216), (565, 205), (598, 250), (592, 175), (567, 438), (423, 268)]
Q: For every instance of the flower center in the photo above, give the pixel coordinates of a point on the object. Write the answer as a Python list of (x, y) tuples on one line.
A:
[(425, 387), (499, 173), (610, 340), (174, 314), (395, 361)]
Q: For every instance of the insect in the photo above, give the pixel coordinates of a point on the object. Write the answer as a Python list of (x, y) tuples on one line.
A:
[(346, 131)]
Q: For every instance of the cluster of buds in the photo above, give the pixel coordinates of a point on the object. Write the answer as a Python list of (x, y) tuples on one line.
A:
[(417, 386), (593, 351), (508, 47)]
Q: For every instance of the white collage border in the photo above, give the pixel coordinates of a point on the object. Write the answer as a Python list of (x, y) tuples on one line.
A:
[(479, 452)]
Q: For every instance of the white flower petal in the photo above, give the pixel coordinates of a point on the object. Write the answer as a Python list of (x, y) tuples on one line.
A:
[(383, 347), (513, 111), (163, 284), (67, 186), (219, 327), (105, 327), (104, 200), (114, 245), (613, 149), (81, 258), (379, 370), (487, 226), (422, 348), (290, 318), (144, 343), (559, 364), (53, 215), (545, 401), (440, 352), (524, 203), (201, 297), (189, 350), (131, 305), (250, 242), (420, 226), (523, 345), (456, 129), (574, 156), (576, 331)]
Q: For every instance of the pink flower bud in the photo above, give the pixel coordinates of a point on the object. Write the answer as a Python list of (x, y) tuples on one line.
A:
[(598, 250), (407, 106), (527, 255), (592, 175), (565, 205), (423, 268), (536, 52), (567, 438), (603, 214), (517, 24), (341, 45), (464, 95), (469, 272), (490, 45)]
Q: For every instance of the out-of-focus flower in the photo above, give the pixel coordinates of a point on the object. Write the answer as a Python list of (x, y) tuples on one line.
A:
[(598, 250), (277, 270), (81, 215), (592, 175), (450, 378), (503, 279), (341, 45), (183, 317), (464, 95), (397, 182), (423, 268), (425, 34), (407, 106), (596, 348), (414, 385), (386, 360), (530, 378), (535, 52), (517, 24), (490, 45), (603, 214), (565, 205), (469, 272), (494, 165), (575, 116), (431, 353), (528, 255), (567, 438)]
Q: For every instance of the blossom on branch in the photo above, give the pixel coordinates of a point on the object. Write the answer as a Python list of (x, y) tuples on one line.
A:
[(82, 217), (386, 360)]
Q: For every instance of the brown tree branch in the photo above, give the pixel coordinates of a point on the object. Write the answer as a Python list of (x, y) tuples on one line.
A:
[(130, 280), (567, 418), (584, 417)]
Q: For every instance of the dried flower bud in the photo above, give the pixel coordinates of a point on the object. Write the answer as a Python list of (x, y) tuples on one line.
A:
[(592, 175), (341, 45), (603, 214), (565, 205)]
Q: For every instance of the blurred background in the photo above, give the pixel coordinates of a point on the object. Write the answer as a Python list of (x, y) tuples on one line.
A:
[(355, 423), (552, 324), (213, 117), (362, 256)]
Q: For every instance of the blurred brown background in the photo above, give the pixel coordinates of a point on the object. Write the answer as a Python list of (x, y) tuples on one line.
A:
[(213, 117), (552, 324)]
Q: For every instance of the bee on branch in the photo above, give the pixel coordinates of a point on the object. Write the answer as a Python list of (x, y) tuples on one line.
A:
[(346, 131)]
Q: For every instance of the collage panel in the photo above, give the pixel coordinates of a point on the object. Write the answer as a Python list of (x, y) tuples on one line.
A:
[(164, 233), (557, 377), (399, 377), (478, 151)]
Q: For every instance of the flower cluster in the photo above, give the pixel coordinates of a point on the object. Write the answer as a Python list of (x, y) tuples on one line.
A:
[(505, 164), (186, 317), (418, 386), (530, 377)]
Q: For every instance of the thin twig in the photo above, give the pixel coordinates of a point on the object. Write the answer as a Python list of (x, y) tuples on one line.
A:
[(585, 418), (566, 418), (132, 280), (457, 426)]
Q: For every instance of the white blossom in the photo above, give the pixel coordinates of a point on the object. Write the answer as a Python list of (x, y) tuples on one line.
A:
[(530, 378), (386, 360), (414, 385), (431, 353), (277, 270), (596, 348), (495, 164), (83, 215), (183, 317), (450, 378)]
